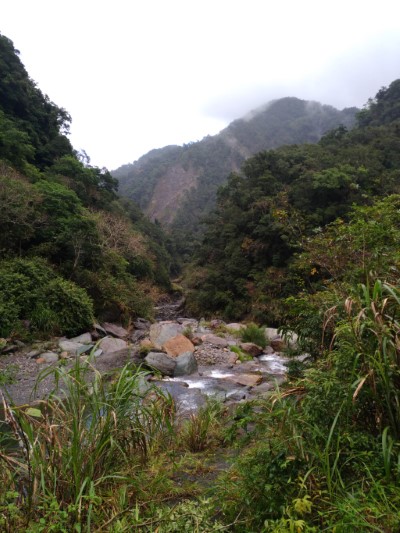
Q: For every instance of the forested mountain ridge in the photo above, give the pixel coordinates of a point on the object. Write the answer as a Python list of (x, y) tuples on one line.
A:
[(279, 224), (177, 184), (69, 249)]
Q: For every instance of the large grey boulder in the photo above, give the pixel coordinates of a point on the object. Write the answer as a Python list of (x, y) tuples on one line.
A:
[(85, 338), (110, 345), (186, 364), (161, 332), (161, 362), (114, 330), (71, 346)]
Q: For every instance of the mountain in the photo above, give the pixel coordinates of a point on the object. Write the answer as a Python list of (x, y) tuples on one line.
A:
[(310, 219), (177, 184)]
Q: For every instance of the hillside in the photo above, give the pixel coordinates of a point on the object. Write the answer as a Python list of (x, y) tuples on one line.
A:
[(177, 184), (69, 250), (279, 226)]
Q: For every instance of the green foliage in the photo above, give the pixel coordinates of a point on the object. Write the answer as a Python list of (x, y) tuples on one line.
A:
[(30, 290), (255, 334), (202, 429)]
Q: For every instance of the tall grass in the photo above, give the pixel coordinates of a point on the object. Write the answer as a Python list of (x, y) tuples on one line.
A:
[(88, 435)]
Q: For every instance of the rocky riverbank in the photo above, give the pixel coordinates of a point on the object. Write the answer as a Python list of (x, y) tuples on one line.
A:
[(190, 359)]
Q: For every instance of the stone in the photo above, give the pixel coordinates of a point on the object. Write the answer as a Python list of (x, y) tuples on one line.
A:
[(268, 350), (146, 344), (161, 332), (235, 326), (216, 323), (215, 340), (70, 346), (33, 354), (278, 344), (232, 358), (141, 323), (161, 362), (178, 345), (49, 357), (248, 380), (138, 335), (114, 330), (186, 364), (251, 348), (196, 341), (85, 338), (271, 333), (110, 345), (107, 362), (100, 330)]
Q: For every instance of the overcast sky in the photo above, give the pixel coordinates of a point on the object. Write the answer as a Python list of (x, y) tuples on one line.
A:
[(142, 74)]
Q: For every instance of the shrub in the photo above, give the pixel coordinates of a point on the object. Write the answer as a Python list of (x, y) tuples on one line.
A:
[(253, 333), (30, 290)]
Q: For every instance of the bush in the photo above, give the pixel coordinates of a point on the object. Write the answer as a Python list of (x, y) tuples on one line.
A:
[(30, 290), (253, 333)]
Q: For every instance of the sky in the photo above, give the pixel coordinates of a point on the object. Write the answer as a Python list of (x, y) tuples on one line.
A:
[(142, 74)]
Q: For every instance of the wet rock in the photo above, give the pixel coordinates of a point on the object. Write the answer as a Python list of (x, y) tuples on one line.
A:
[(186, 364), (85, 338), (251, 348), (161, 362), (161, 332), (114, 330), (236, 395), (248, 380), (268, 350), (278, 344), (110, 345), (178, 345)]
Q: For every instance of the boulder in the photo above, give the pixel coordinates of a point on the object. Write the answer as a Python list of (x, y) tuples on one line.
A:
[(248, 380), (278, 344), (114, 330), (163, 331), (178, 345), (271, 333), (49, 357), (251, 348), (215, 340), (106, 362), (138, 335), (235, 326), (71, 346), (141, 323), (85, 338), (186, 364), (110, 345), (161, 362)]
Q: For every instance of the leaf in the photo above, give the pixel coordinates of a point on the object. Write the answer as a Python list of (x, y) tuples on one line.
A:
[(33, 411)]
